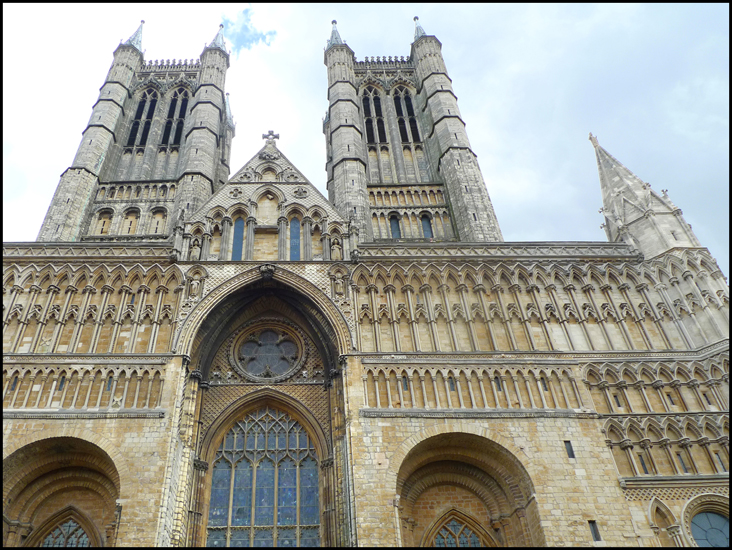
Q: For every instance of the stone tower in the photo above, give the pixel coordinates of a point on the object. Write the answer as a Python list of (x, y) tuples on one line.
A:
[(158, 141), (399, 162), (242, 362)]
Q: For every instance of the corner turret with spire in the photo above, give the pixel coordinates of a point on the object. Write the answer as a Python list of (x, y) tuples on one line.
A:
[(635, 213)]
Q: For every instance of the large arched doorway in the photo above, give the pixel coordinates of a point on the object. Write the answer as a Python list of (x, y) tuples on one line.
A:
[(60, 491), (463, 490), (270, 402)]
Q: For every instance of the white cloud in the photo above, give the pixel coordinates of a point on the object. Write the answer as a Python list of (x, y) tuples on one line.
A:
[(651, 81)]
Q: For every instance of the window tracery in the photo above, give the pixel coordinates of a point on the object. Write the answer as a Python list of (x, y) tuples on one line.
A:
[(710, 529), (268, 351), (272, 498), (67, 534)]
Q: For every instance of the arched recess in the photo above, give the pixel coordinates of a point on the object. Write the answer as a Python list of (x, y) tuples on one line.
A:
[(456, 528), (471, 473), (206, 327), (42, 479), (271, 399), (258, 301), (663, 522)]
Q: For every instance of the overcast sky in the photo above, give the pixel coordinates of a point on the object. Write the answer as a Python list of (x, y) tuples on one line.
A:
[(651, 81)]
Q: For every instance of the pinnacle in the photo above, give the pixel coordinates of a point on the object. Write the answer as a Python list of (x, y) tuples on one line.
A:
[(136, 39), (335, 38)]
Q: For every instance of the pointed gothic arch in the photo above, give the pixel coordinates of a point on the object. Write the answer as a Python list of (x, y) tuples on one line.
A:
[(456, 528)]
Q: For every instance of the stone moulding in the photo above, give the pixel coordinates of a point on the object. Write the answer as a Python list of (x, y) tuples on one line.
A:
[(88, 415), (64, 359), (473, 413), (543, 356), (533, 251)]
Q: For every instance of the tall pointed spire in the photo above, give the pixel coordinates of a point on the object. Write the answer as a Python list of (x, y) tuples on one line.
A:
[(136, 39), (418, 30), (218, 41), (635, 213), (335, 38)]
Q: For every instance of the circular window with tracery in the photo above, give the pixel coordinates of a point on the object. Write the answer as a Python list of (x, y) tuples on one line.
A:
[(268, 351), (710, 529)]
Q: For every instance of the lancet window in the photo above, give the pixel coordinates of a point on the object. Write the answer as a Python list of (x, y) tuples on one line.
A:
[(295, 240), (373, 116), (176, 116), (146, 107), (238, 239), (264, 489), (396, 232), (405, 115)]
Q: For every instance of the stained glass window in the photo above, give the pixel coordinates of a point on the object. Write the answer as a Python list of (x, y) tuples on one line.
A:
[(295, 240), (238, 240), (68, 534), (272, 498), (710, 529), (455, 533)]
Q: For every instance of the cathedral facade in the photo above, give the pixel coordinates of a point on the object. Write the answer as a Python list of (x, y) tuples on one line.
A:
[(195, 358)]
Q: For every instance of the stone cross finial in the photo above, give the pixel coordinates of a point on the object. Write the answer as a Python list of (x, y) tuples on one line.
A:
[(270, 136)]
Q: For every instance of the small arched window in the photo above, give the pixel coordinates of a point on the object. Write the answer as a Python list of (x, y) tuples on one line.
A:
[(157, 224), (427, 226), (130, 224), (238, 239), (396, 232), (295, 240), (104, 223)]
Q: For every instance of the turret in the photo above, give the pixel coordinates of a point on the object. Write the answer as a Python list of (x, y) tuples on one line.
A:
[(635, 213), (448, 145), (74, 194), (205, 130), (346, 154)]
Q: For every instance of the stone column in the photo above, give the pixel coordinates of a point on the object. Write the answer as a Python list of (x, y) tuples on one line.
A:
[(249, 240), (206, 246), (224, 253), (282, 239), (307, 238), (325, 239)]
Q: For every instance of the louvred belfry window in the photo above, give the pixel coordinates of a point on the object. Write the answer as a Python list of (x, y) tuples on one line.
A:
[(264, 489)]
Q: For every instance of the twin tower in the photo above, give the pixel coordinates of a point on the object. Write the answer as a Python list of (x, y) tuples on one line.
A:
[(399, 164)]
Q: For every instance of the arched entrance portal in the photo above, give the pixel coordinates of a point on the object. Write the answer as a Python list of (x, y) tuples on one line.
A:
[(270, 403), (60, 491), (463, 490)]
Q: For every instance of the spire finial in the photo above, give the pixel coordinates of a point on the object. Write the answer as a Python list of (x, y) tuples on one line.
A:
[(418, 30), (218, 41), (335, 38), (136, 39), (593, 140)]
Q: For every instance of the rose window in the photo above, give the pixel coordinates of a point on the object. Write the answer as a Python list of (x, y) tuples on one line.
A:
[(268, 354)]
